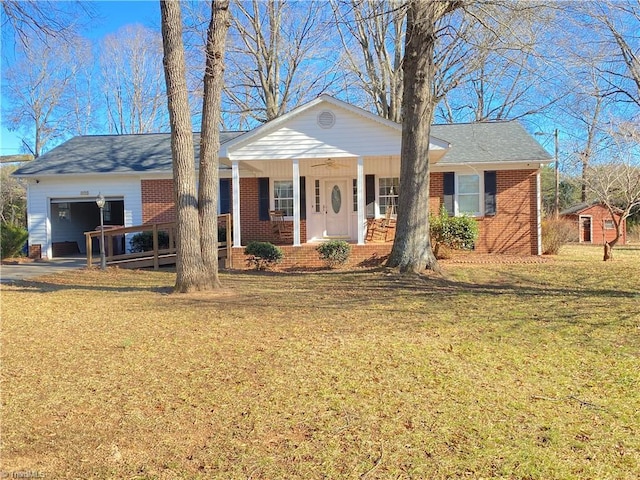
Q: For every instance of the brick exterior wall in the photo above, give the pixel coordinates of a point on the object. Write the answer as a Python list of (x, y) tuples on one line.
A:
[(252, 228), (158, 203), (512, 230)]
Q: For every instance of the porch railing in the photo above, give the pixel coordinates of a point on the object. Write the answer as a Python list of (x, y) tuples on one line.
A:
[(114, 239)]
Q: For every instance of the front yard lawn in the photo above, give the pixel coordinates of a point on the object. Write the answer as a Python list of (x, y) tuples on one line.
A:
[(515, 371)]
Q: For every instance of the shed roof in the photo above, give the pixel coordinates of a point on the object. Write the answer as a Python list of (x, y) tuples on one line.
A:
[(577, 208)]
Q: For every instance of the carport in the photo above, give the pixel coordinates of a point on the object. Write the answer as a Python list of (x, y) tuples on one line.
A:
[(71, 217)]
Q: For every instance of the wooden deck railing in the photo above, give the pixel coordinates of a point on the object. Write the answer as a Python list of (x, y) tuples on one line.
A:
[(155, 257)]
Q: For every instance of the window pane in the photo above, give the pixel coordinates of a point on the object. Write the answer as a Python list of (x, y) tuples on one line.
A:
[(283, 189), (355, 195), (388, 194), (469, 204), (468, 184), (283, 196)]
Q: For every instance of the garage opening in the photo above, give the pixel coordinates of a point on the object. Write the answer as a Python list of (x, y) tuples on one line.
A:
[(70, 218)]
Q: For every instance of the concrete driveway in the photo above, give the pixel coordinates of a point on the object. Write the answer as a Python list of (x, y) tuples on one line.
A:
[(31, 270)]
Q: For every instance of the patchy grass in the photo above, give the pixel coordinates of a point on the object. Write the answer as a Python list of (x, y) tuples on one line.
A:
[(515, 371)]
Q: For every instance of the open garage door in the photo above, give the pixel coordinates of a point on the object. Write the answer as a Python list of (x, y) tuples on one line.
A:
[(71, 217)]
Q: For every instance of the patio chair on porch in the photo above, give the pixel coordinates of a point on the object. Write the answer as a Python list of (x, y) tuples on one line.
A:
[(382, 229), (282, 230)]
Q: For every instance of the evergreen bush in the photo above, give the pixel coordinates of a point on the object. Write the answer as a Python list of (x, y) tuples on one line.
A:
[(143, 242), (263, 255), (456, 233), (334, 252), (13, 238)]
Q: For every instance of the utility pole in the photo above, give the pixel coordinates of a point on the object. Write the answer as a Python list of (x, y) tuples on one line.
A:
[(557, 172)]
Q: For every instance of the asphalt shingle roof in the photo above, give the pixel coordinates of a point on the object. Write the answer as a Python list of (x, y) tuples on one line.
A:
[(489, 142), (149, 152), (470, 143)]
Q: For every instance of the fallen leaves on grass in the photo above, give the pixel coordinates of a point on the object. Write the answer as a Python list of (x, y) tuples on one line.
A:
[(358, 374)]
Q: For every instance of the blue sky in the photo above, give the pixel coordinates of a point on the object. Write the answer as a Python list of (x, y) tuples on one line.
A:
[(110, 17)]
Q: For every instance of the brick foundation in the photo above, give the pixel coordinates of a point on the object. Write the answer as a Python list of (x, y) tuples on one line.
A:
[(35, 251), (306, 257)]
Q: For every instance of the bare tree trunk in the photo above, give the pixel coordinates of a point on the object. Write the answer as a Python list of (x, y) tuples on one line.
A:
[(210, 137), (190, 269), (412, 251)]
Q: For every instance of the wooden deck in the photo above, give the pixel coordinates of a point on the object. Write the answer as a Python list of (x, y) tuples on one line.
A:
[(156, 257)]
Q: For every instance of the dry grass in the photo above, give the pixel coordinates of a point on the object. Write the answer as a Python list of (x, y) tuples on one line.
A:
[(515, 371)]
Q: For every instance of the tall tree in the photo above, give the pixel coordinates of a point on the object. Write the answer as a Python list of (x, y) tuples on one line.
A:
[(38, 86), (210, 136), (43, 20), (132, 81), (486, 63), (279, 58), (412, 251), (196, 214), (620, 22), (191, 273), (602, 77), (377, 28)]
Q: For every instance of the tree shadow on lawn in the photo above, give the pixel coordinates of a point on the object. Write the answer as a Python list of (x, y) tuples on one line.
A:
[(113, 280), (331, 289), (364, 288), (44, 286)]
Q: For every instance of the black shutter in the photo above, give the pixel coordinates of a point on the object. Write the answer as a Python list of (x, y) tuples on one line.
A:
[(263, 198), (449, 192), (490, 190), (225, 196), (370, 195), (303, 198)]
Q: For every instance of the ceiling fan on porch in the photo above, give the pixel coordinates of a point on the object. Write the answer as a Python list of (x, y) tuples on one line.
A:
[(329, 163)]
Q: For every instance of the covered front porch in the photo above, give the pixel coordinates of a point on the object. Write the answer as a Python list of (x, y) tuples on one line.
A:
[(329, 169), (313, 200)]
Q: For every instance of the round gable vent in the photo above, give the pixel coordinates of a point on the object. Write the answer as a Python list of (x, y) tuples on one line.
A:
[(326, 119)]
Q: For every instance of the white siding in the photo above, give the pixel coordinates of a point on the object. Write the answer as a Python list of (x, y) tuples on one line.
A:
[(78, 188), (301, 137)]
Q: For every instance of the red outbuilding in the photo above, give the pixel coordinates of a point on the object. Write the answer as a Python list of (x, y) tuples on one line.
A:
[(595, 224)]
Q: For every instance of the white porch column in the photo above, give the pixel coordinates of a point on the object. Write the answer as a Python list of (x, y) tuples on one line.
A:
[(296, 203), (235, 182), (361, 201)]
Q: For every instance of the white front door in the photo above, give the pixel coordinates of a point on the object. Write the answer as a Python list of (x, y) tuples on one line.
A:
[(336, 208)]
